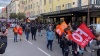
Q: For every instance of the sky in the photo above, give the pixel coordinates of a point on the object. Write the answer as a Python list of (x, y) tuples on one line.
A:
[(4, 3)]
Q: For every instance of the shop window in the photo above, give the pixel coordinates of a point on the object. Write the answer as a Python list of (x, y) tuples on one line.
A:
[(68, 6)]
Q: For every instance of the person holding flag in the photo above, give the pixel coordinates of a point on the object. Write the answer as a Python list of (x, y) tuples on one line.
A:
[(65, 43)]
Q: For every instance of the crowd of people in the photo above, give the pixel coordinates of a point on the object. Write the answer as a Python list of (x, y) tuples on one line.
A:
[(64, 42)]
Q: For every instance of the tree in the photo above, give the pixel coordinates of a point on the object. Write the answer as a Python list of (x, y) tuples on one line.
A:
[(13, 15), (21, 16)]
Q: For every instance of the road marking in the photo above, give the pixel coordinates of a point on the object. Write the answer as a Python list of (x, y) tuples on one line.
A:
[(9, 34), (28, 41), (43, 51)]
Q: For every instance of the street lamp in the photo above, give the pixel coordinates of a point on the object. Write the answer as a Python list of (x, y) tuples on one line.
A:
[(88, 20)]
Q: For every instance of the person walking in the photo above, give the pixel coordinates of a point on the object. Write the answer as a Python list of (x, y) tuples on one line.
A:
[(3, 35), (27, 32), (33, 31), (94, 45), (50, 38), (39, 29), (15, 30)]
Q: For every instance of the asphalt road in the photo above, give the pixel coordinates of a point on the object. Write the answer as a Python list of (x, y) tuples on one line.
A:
[(31, 47)]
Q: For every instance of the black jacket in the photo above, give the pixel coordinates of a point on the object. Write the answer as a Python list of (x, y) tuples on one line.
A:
[(65, 44), (74, 46), (33, 29)]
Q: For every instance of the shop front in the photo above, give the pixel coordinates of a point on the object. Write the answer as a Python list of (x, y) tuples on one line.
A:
[(76, 15)]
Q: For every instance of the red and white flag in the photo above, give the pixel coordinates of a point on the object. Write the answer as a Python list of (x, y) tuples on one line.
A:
[(82, 35)]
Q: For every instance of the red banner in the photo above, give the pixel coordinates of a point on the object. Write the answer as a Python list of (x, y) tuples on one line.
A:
[(82, 35)]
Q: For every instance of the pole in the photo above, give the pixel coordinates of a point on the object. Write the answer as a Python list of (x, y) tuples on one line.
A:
[(88, 20)]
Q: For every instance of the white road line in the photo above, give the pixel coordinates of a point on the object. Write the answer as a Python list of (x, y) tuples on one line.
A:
[(43, 51), (10, 34), (28, 41)]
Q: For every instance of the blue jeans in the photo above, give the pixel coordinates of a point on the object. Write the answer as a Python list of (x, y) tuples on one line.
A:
[(15, 37), (27, 36)]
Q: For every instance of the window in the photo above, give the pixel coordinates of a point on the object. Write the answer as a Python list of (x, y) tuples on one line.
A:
[(68, 6), (73, 3), (50, 9), (79, 3), (90, 1), (31, 6), (98, 2), (28, 6), (40, 2), (37, 4), (58, 8), (50, 1), (44, 2)]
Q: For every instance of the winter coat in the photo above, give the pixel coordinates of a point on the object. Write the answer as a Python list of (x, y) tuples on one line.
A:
[(33, 29), (50, 35)]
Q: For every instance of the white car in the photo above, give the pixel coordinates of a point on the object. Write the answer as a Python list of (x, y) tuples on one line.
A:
[(12, 25)]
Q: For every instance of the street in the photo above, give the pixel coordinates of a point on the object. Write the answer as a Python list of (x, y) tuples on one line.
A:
[(31, 47)]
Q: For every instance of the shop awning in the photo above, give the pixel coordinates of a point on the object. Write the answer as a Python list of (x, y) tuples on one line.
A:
[(33, 18)]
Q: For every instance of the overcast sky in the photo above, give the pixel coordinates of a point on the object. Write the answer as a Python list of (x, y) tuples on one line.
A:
[(4, 3)]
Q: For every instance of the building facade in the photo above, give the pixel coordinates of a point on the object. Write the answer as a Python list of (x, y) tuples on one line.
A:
[(21, 6), (4, 13), (74, 11), (13, 7)]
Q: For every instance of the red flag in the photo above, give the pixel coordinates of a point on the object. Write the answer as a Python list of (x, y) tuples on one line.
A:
[(82, 35)]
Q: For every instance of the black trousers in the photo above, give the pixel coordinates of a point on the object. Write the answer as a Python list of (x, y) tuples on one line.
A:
[(34, 34), (66, 53), (49, 44), (75, 54), (98, 53)]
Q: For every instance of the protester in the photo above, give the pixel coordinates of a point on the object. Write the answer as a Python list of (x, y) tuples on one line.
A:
[(15, 30), (33, 31), (94, 46), (65, 43), (3, 39), (50, 38), (27, 32), (39, 29)]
